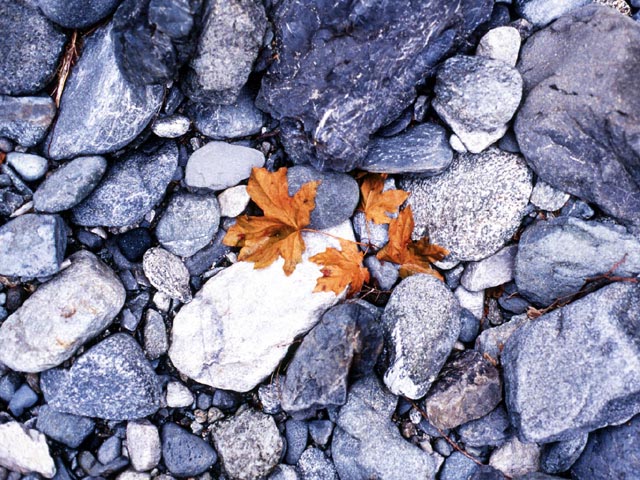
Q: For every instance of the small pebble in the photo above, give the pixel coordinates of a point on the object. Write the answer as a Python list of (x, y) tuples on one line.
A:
[(30, 167)]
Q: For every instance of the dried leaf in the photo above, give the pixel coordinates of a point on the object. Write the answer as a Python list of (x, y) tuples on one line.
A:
[(341, 268), (376, 204)]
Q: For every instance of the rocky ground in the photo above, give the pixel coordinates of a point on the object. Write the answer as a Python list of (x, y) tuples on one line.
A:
[(134, 344)]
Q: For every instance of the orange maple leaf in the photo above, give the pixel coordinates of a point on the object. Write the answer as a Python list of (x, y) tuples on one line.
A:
[(376, 204), (279, 232), (412, 256), (341, 268)]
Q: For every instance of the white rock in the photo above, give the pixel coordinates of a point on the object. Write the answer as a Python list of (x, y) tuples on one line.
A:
[(242, 322), (24, 450), (545, 197), (171, 127), (233, 201), (30, 167), (472, 301), (167, 273), (131, 475), (515, 458), (490, 272), (501, 43), (178, 395), (456, 144), (143, 445)]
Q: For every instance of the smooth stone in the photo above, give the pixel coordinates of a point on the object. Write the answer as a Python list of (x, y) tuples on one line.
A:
[(156, 341), (225, 400), (545, 197), (471, 301), (456, 144), (134, 243), (77, 14), (30, 167), (25, 120), (23, 399), (501, 43), (71, 430), (284, 472), (24, 450), (178, 395), (386, 274), (469, 326), (491, 430), (296, 434), (32, 245), (184, 454), (558, 457), (167, 273), (233, 201), (171, 127), (371, 234), (9, 383), (110, 449), (495, 270), (543, 12), (314, 465), (143, 445)]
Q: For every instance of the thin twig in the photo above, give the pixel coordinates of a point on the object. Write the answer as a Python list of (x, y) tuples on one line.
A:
[(70, 56)]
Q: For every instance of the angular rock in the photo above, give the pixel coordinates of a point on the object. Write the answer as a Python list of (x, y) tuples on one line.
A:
[(112, 380), (369, 233), (577, 368), (184, 454), (65, 428), (542, 12), (25, 120), (501, 43), (474, 207), (143, 445), (558, 457), (30, 167), (24, 450), (384, 273), (545, 197), (490, 272), (516, 458), (233, 201), (320, 431), (77, 13), (579, 123), (178, 395), (167, 273), (491, 430), (314, 465), (100, 110)]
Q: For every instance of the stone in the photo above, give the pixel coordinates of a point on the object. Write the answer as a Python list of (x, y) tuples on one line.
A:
[(372, 63), (491, 430), (314, 465), (31, 47), (9, 383), (218, 340), (65, 428), (421, 322), (132, 475), (228, 45), (492, 341), (371, 234), (516, 458), (131, 187), (156, 341), (501, 43), (111, 380), (77, 14), (32, 245), (189, 223), (589, 377), (233, 201), (495, 270), (134, 243), (69, 184), (22, 399), (100, 110), (558, 457), (249, 444), (469, 326), (167, 273), (367, 444), (458, 467), (296, 434), (25, 120), (467, 388), (184, 454), (173, 126), (143, 445), (423, 149), (474, 208), (30, 167), (320, 431), (545, 197), (542, 12), (178, 395), (110, 449), (225, 400), (219, 165), (24, 450), (471, 301), (386, 274), (576, 125), (284, 472)]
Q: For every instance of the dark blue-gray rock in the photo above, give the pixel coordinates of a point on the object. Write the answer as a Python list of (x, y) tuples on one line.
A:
[(10, 202), (112, 380), (314, 465), (515, 458), (492, 340), (610, 453), (469, 326), (458, 466), (32, 245), (225, 400), (131, 187), (542, 12), (421, 322), (69, 184), (228, 45), (31, 47), (490, 272), (558, 457), (210, 255), (556, 257), (579, 124), (297, 433), (29, 166), (468, 387), (9, 383), (77, 14), (486, 472), (577, 208), (320, 431), (25, 120), (348, 69), (133, 243), (100, 110), (491, 430), (370, 234), (474, 208), (367, 444), (336, 198), (184, 454), (511, 301), (167, 273), (65, 428), (423, 149), (189, 223), (477, 97), (384, 273), (110, 449), (575, 369), (22, 399)]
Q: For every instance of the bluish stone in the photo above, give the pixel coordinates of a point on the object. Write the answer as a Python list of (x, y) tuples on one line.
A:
[(65, 428)]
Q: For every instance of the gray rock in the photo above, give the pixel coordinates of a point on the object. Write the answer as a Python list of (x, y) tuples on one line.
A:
[(384, 273), (422, 322), (516, 458), (69, 185), (167, 273), (458, 467), (100, 110), (32, 245), (476, 97), (173, 126), (577, 208), (219, 165), (229, 43), (314, 465), (490, 272), (542, 12), (492, 341), (576, 125), (471, 301), (558, 457), (590, 376), (233, 201), (501, 43), (110, 449), (25, 120), (370, 233), (9, 383), (249, 444), (336, 198), (423, 149), (65, 428), (30, 167), (131, 187), (545, 197), (22, 399), (184, 454), (143, 445), (77, 13), (189, 223), (156, 342), (24, 450), (296, 433), (473, 208), (469, 326), (112, 380), (491, 430), (556, 257), (284, 472), (320, 431)]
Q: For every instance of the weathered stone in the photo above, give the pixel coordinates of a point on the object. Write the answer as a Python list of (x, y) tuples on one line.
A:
[(516, 458), (173, 126), (490, 272), (25, 120), (184, 454), (29, 166), (156, 342), (65, 428), (24, 450), (178, 395), (558, 457), (296, 433), (233, 201), (542, 12), (471, 301), (545, 197), (143, 445), (492, 341), (167, 273), (314, 465), (501, 43), (491, 430)]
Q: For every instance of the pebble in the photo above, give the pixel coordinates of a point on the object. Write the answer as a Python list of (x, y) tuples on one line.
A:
[(25, 120), (296, 434), (558, 457), (178, 395), (233, 201), (471, 301), (502, 43), (156, 341), (516, 458), (143, 445), (469, 326), (22, 399), (369, 233), (134, 243), (30, 167), (184, 454), (284, 472), (545, 197), (492, 271), (320, 431), (492, 340), (167, 273), (386, 274), (9, 383), (542, 12), (314, 465), (110, 450), (458, 466), (77, 14), (24, 450), (173, 126), (491, 430)]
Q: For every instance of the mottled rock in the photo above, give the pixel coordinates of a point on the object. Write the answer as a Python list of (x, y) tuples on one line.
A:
[(501, 43), (516, 458), (491, 430), (296, 433), (77, 13), (178, 395), (545, 197), (143, 445), (542, 12), (65, 428), (30, 167), (167, 273), (314, 465), (558, 457), (184, 454), (320, 431), (490, 272), (458, 467), (24, 450), (493, 340), (25, 120)]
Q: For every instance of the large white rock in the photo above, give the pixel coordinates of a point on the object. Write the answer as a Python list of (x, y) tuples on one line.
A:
[(24, 450), (241, 323)]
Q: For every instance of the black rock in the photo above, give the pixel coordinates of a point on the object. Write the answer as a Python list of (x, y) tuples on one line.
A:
[(25, 120), (64, 427), (133, 243), (77, 13), (184, 454)]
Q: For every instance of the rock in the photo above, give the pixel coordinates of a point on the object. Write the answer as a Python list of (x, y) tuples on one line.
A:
[(469, 326), (458, 467), (558, 457), (131, 475), (516, 458), (296, 434), (167, 273), (184, 454), (225, 400), (545, 197), (421, 322), (492, 341), (189, 223), (24, 450), (100, 110), (77, 14), (384, 273), (30, 167), (354, 61), (233, 201), (32, 245), (491, 430), (423, 149), (485, 472), (112, 380), (490, 272), (576, 125), (249, 444), (369, 233), (219, 165), (501, 43), (314, 465), (31, 47), (473, 208), (23, 399), (476, 97), (178, 395), (26, 120), (284, 472), (234, 349), (471, 301), (467, 388), (134, 243), (65, 428), (171, 127), (69, 185), (367, 444), (556, 257), (9, 383), (131, 187), (589, 377), (156, 342), (229, 43), (110, 449), (143, 445), (320, 431), (542, 12)]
